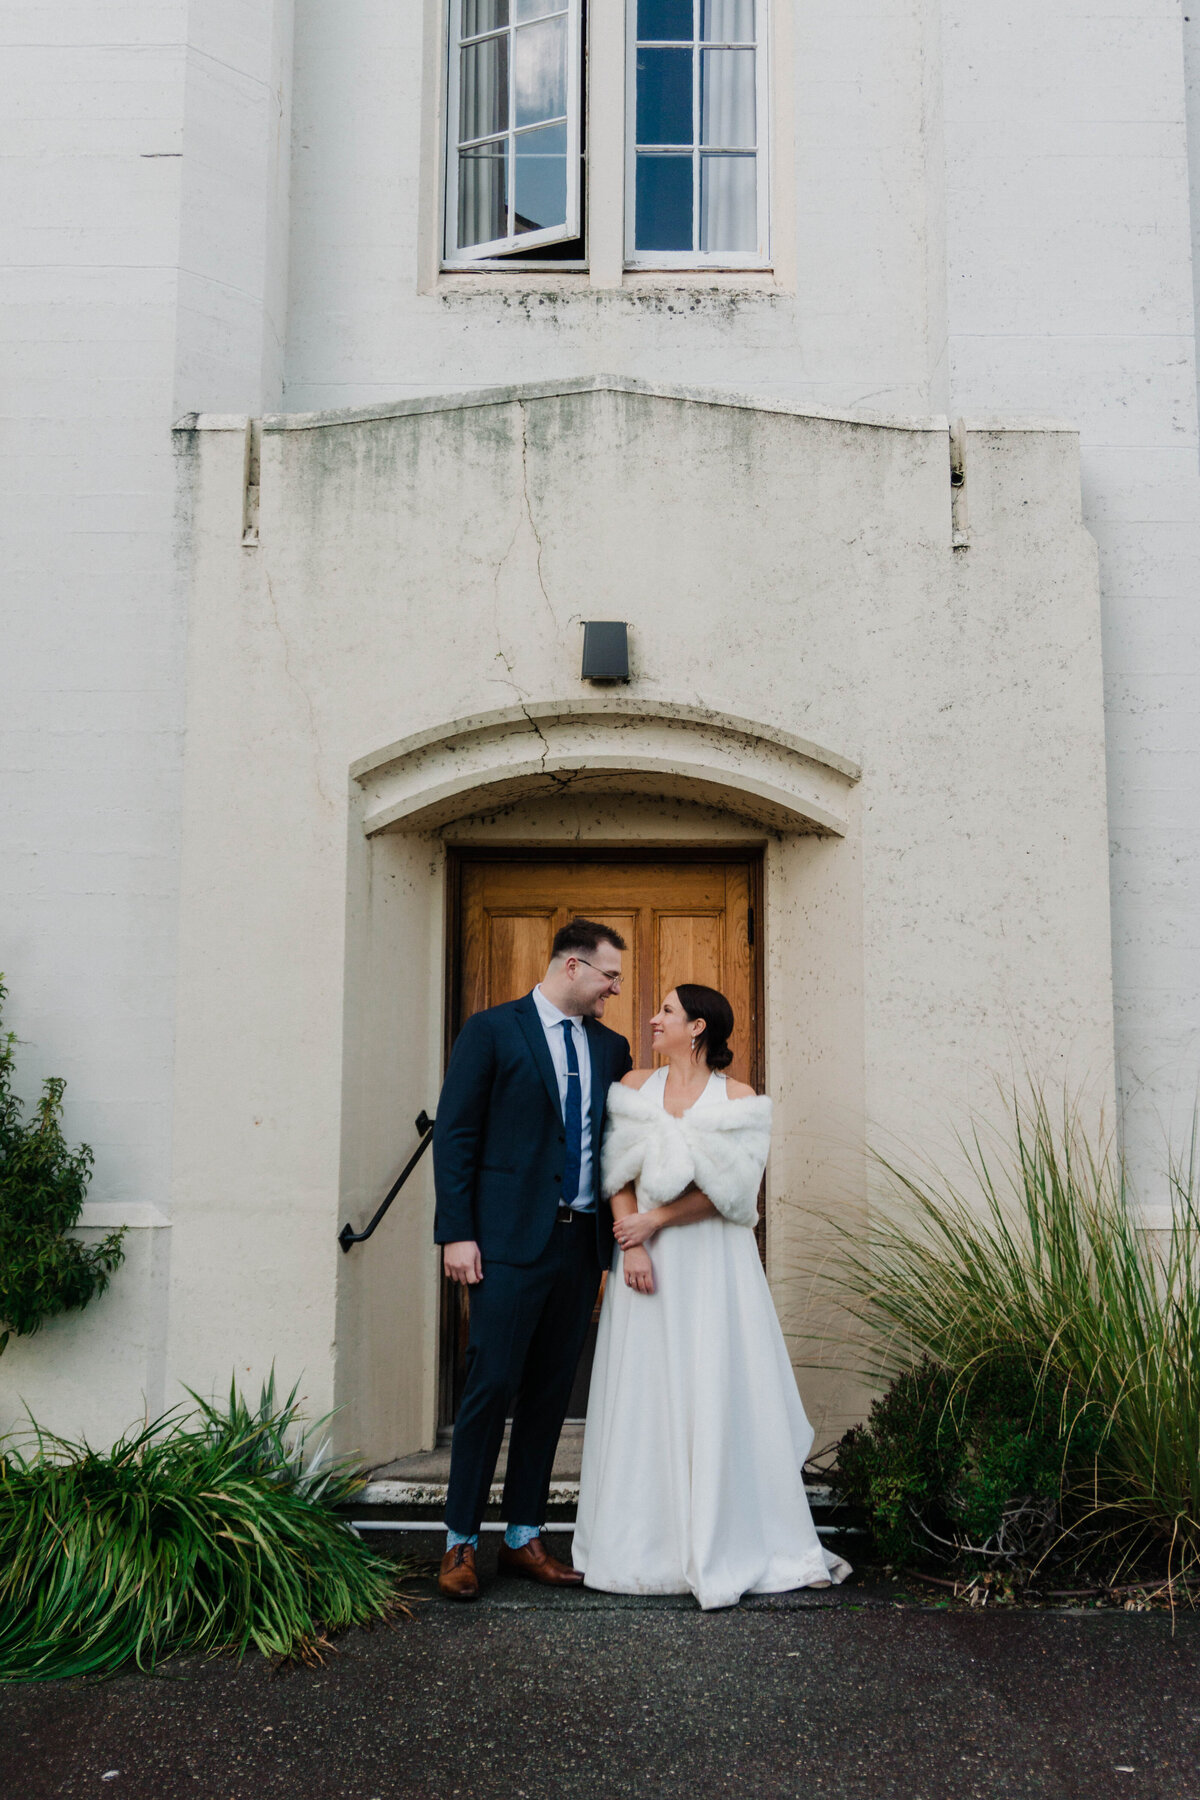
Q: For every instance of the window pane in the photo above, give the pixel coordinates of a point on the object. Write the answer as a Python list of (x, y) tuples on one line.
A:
[(483, 94), (664, 19), (479, 16), (727, 98), (664, 97), (537, 9), (540, 84), (541, 190), (727, 21), (663, 201), (728, 203), (482, 195)]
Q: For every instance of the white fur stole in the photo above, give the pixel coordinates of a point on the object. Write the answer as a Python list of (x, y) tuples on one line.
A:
[(721, 1148)]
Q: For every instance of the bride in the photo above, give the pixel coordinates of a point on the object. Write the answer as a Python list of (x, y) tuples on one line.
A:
[(696, 1438)]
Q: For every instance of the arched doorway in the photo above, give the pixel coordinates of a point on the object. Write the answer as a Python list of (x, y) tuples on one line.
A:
[(567, 792)]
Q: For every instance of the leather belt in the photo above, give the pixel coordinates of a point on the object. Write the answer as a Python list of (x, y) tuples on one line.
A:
[(567, 1215)]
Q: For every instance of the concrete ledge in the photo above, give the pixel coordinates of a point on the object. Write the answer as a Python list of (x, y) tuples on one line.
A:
[(111, 1215), (516, 392)]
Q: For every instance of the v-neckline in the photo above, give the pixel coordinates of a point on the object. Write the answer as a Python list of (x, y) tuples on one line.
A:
[(662, 1095)]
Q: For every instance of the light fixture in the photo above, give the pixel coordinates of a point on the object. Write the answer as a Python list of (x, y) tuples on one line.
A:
[(605, 650)]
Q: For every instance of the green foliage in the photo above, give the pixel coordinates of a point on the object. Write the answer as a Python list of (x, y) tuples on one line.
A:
[(1039, 1262), (202, 1533), (981, 1466), (42, 1187)]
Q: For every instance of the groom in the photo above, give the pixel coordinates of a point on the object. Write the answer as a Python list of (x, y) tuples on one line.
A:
[(516, 1159)]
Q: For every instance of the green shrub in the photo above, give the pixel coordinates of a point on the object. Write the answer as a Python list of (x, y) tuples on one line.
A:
[(42, 1187), (982, 1468), (1038, 1262), (206, 1533)]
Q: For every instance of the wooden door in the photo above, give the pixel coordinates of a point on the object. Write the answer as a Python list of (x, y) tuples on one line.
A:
[(681, 921), (683, 918)]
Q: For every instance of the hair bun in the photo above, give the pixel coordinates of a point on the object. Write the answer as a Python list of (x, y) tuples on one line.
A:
[(705, 1003)]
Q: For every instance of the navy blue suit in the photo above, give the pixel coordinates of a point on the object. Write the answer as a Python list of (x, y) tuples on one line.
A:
[(499, 1150)]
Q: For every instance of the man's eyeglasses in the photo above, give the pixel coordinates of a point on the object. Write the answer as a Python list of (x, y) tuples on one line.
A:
[(614, 981)]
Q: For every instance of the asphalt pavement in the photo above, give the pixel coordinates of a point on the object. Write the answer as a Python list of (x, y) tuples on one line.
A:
[(861, 1693)]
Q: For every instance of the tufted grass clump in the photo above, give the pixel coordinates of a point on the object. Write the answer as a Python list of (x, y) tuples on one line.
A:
[(202, 1533), (1036, 1264)]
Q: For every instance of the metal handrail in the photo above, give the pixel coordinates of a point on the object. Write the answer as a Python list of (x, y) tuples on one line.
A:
[(347, 1237)]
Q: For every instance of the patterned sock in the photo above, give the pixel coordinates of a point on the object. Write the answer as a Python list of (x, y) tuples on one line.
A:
[(460, 1537), (517, 1536)]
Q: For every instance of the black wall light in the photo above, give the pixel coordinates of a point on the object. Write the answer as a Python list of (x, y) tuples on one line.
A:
[(605, 650)]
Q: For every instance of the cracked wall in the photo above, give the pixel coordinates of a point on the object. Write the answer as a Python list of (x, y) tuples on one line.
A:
[(431, 565)]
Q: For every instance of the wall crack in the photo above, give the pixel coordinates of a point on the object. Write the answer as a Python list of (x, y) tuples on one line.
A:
[(537, 536), (562, 778)]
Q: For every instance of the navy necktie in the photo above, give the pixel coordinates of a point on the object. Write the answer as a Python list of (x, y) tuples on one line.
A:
[(572, 1119)]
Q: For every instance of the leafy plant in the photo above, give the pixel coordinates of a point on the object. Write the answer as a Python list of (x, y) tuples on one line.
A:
[(42, 1187), (1038, 1262), (980, 1469), (208, 1532)]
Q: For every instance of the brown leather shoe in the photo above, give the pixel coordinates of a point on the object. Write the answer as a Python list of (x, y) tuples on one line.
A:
[(456, 1577), (535, 1563)]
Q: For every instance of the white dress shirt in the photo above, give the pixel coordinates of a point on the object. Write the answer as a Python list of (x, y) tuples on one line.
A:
[(552, 1023)]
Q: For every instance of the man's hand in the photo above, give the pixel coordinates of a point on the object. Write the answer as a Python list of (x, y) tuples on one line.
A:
[(639, 1270), (462, 1262)]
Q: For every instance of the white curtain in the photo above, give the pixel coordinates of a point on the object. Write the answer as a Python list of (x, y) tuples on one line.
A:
[(727, 21), (728, 197), (727, 99), (728, 204), (483, 109)]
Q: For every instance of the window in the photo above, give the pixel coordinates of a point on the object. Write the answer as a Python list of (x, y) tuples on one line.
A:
[(696, 188), (688, 113), (514, 151)]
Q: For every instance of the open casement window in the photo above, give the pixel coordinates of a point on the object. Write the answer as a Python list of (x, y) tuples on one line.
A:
[(514, 149), (696, 189)]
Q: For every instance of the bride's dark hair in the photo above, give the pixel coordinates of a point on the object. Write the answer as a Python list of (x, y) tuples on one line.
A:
[(707, 1004)]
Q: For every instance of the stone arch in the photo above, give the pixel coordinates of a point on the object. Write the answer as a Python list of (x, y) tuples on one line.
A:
[(610, 744)]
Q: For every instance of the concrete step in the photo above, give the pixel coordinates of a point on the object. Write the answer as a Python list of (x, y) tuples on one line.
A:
[(391, 1505)]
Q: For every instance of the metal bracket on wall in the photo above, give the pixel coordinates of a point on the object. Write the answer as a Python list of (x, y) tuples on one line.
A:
[(250, 483), (959, 538)]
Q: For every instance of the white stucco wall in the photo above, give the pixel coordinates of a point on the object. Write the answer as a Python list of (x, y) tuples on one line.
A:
[(431, 565), (143, 243), (975, 210), (1070, 289), (849, 321), (92, 661)]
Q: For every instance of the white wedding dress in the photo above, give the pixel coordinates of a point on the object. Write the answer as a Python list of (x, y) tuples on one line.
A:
[(696, 1439)]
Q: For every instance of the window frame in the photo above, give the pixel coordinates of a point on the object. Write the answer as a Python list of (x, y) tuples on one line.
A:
[(516, 250), (760, 258)]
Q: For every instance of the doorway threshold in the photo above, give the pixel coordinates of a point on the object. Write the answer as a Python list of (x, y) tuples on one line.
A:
[(431, 1468)]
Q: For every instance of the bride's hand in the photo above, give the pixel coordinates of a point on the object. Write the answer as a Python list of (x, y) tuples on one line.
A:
[(639, 1270), (634, 1228)]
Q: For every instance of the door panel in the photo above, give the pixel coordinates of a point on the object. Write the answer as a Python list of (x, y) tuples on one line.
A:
[(682, 919), (504, 954)]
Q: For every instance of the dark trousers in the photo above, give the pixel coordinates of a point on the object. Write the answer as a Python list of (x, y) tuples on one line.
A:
[(528, 1327)]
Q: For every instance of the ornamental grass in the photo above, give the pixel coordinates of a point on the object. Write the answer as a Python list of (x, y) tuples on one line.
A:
[(1038, 1263), (200, 1533)]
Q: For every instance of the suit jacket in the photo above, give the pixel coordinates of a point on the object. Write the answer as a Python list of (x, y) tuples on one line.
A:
[(499, 1147)]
